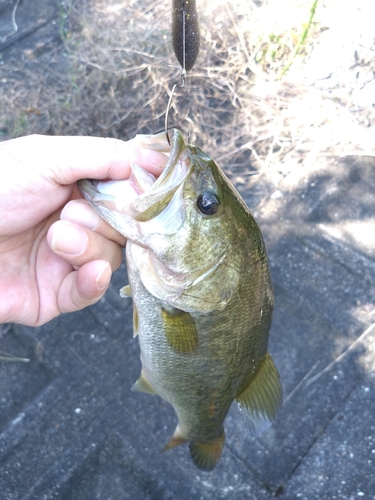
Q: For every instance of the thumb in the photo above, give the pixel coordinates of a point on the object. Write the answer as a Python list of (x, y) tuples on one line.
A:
[(73, 158)]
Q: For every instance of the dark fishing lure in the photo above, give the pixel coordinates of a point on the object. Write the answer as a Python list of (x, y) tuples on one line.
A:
[(185, 32)]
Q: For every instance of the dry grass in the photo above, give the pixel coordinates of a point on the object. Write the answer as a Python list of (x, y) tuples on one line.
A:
[(251, 100)]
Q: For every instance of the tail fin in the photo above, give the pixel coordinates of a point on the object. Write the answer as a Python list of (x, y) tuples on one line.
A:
[(207, 455)]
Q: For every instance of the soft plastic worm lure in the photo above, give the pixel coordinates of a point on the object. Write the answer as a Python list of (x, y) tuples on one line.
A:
[(185, 32)]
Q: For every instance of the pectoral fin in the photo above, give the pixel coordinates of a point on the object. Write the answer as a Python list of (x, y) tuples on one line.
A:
[(260, 401), (135, 321), (207, 455), (180, 331), (125, 291), (143, 385)]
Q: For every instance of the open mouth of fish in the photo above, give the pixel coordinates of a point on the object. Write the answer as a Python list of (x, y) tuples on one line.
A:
[(142, 198)]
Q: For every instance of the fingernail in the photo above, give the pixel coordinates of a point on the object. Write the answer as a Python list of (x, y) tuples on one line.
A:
[(68, 239), (104, 276), (80, 212)]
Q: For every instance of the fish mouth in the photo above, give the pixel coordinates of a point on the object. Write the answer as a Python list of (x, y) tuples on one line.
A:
[(154, 201), (140, 198)]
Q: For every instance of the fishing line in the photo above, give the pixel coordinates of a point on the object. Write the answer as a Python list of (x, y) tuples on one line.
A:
[(183, 75)]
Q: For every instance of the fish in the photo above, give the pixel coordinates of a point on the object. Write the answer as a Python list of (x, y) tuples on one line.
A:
[(202, 294)]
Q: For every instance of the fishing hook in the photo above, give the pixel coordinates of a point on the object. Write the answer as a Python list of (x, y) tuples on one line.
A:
[(178, 86)]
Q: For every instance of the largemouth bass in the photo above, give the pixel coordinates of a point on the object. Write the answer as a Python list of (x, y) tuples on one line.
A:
[(202, 294)]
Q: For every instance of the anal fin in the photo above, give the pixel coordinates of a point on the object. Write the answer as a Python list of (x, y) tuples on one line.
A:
[(143, 385), (261, 400), (207, 455), (175, 440)]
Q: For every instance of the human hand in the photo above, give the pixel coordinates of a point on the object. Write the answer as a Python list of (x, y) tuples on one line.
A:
[(50, 266)]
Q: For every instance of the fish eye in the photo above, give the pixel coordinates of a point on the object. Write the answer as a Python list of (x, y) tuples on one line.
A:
[(208, 203)]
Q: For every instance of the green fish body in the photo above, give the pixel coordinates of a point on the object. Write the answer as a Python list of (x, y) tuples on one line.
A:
[(202, 294)]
